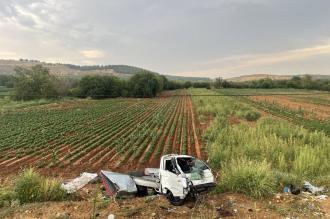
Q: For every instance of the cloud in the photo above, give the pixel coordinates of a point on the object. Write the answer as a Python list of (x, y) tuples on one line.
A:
[(93, 53), (244, 61), (200, 38), (8, 55)]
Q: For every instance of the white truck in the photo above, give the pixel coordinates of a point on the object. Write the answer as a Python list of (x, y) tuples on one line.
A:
[(177, 177)]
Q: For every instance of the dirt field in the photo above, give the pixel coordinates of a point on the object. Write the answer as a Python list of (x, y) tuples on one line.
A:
[(310, 110)]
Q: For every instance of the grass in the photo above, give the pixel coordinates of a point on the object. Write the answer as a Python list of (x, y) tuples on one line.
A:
[(260, 159), (249, 177), (8, 105), (32, 187), (6, 197)]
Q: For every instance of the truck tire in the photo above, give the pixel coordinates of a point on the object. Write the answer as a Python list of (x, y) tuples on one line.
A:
[(174, 200), (141, 191)]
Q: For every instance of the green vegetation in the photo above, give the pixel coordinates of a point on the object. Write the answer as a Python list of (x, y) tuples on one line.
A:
[(6, 81), (8, 105), (248, 177), (315, 99), (6, 197), (294, 115), (32, 187), (4, 91), (92, 132), (146, 84), (255, 159), (100, 87), (141, 84), (35, 83), (304, 82), (261, 91), (252, 116)]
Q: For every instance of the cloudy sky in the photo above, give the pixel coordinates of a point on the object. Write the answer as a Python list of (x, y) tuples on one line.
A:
[(178, 37)]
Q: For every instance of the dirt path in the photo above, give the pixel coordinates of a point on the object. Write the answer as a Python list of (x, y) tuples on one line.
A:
[(197, 145)]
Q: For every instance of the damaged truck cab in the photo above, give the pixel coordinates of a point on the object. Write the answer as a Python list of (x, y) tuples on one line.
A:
[(177, 177)]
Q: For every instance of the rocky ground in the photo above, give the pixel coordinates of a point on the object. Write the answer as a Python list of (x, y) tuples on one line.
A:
[(91, 203)]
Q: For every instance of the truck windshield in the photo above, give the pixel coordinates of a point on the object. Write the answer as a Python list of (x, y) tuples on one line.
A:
[(189, 164)]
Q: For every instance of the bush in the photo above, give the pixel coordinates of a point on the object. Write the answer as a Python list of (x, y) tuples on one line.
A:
[(6, 197), (248, 177), (285, 179), (32, 187), (252, 116)]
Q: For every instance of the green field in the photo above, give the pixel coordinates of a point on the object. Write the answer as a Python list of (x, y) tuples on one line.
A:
[(235, 133), (96, 133), (258, 156)]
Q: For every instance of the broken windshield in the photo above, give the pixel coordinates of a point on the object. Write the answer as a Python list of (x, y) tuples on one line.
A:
[(189, 165)]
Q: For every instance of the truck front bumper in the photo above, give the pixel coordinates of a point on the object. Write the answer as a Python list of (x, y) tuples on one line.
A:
[(204, 187)]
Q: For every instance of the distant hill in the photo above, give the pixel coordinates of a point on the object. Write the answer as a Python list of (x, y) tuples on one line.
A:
[(254, 77), (122, 71)]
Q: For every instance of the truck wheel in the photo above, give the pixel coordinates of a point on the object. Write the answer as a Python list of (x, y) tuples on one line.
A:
[(174, 200), (141, 191)]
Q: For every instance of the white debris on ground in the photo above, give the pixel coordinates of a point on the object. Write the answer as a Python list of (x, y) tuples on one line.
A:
[(79, 182), (312, 189)]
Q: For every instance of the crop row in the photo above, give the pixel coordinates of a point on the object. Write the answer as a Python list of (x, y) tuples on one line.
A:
[(107, 133)]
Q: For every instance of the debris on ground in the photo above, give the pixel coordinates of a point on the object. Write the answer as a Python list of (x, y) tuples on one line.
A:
[(79, 182), (312, 189), (321, 197), (111, 216), (306, 204), (116, 183)]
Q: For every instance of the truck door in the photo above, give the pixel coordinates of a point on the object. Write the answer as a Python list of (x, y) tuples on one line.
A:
[(171, 179)]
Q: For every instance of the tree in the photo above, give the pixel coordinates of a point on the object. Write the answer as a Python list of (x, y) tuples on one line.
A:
[(34, 83), (218, 83), (98, 86), (144, 84), (6, 80), (187, 84)]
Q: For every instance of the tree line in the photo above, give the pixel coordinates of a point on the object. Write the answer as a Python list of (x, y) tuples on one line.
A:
[(37, 83), (298, 82)]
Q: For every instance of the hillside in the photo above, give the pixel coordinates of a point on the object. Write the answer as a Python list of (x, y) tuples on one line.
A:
[(65, 70), (254, 77)]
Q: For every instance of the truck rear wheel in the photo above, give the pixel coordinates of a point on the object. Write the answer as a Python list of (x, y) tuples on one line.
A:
[(174, 200)]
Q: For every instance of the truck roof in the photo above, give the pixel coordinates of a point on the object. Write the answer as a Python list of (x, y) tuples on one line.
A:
[(177, 155)]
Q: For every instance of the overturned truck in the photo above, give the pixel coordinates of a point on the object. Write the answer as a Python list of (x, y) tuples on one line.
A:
[(178, 177)]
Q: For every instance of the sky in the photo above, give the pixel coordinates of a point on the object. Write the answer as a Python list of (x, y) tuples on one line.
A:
[(207, 38)]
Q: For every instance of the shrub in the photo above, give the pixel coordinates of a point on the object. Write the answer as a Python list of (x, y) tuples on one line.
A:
[(308, 162), (6, 197), (32, 187), (252, 116), (248, 177), (285, 179)]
